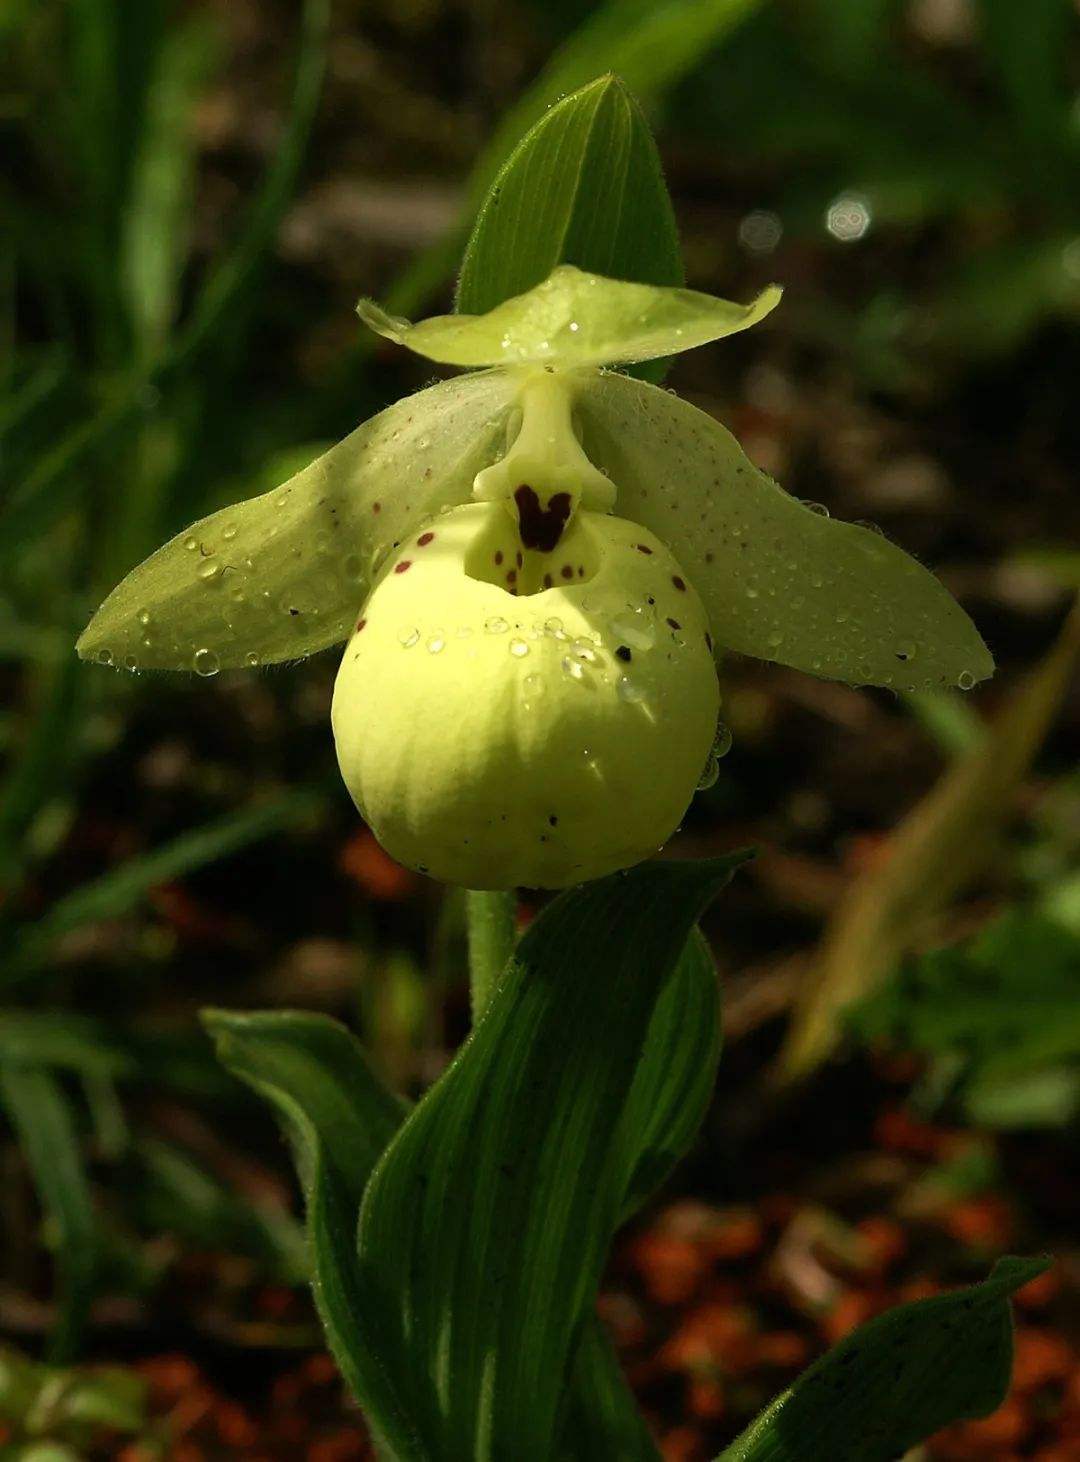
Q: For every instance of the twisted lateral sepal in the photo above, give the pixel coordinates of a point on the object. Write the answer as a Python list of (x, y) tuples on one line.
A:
[(492, 739)]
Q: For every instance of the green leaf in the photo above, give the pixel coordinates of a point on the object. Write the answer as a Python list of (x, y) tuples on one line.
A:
[(485, 1223), (1006, 1001), (339, 1118), (43, 1121), (283, 575), (574, 319), (584, 187), (602, 1418), (674, 1081), (778, 580), (115, 893), (897, 1380), (154, 243), (648, 44)]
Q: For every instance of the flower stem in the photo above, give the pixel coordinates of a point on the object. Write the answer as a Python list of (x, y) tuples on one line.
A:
[(490, 919)]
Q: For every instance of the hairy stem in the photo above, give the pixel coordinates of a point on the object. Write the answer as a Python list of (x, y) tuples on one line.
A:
[(490, 918)]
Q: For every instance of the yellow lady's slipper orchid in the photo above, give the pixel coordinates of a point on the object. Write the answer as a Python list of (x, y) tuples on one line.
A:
[(532, 564)]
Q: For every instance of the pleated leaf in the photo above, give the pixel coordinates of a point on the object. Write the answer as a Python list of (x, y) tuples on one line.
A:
[(897, 1380), (779, 581), (485, 1224), (575, 318), (284, 575), (339, 1117), (583, 187)]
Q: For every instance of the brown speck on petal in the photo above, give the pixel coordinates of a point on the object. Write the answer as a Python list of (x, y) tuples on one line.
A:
[(376, 507), (567, 571), (424, 540), (406, 563), (679, 583), (548, 581), (511, 577), (360, 625), (674, 623), (498, 557), (643, 548)]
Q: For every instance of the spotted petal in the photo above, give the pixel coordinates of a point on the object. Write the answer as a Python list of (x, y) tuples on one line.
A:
[(779, 580), (575, 319), (284, 574)]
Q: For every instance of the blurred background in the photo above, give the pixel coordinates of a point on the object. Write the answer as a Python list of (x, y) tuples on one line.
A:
[(193, 196)]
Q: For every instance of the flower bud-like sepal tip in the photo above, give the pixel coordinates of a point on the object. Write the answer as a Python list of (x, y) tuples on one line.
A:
[(506, 716)]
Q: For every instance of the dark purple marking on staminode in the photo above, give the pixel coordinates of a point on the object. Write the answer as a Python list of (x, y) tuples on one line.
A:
[(541, 528)]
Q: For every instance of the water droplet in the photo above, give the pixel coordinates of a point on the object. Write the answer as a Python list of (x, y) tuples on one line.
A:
[(775, 639), (573, 668), (191, 544), (251, 659), (722, 743), (408, 636), (228, 532), (104, 657), (582, 650), (574, 327), (497, 626), (965, 680), (519, 648), (130, 662), (709, 773), (208, 571), (906, 650), (145, 617), (206, 663), (819, 508), (554, 627), (634, 628), (630, 691), (436, 642)]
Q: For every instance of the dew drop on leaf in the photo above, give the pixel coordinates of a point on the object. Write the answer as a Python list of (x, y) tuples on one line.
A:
[(205, 662)]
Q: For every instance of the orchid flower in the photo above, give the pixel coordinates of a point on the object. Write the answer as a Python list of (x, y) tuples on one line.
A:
[(535, 566)]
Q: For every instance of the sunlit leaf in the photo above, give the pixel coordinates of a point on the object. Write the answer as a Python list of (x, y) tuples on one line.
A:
[(284, 574), (583, 187), (574, 318), (485, 1223), (779, 580), (896, 1380)]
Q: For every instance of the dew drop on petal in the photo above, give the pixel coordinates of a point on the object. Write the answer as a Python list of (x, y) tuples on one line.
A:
[(209, 570), (519, 648), (965, 680), (635, 629), (205, 662), (407, 636), (630, 691), (145, 617), (497, 626), (573, 668), (104, 657), (436, 642), (251, 659)]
